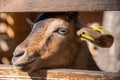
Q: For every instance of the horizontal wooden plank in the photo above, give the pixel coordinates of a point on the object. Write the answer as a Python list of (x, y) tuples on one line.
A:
[(58, 5), (12, 73)]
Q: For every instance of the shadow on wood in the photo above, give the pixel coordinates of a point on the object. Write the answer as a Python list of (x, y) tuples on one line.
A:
[(10, 72)]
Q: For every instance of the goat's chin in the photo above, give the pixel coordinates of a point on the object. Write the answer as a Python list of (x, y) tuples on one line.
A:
[(32, 67), (27, 66)]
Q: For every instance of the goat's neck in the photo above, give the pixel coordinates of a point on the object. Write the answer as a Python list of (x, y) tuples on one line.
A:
[(84, 59)]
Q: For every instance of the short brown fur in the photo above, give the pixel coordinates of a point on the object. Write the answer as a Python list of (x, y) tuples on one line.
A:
[(46, 48)]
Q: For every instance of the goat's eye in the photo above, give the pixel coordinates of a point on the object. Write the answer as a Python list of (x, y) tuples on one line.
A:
[(62, 31), (83, 32)]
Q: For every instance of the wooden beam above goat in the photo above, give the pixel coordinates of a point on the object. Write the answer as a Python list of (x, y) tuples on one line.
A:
[(58, 5)]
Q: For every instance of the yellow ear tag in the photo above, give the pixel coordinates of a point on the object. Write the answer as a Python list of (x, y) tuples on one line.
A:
[(87, 37), (100, 29)]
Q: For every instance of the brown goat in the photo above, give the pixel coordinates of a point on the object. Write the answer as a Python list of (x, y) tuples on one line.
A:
[(54, 43)]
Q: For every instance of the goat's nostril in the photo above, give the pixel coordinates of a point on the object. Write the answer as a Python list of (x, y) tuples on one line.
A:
[(18, 54)]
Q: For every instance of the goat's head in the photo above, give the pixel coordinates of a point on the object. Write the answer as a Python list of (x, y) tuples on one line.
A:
[(52, 43)]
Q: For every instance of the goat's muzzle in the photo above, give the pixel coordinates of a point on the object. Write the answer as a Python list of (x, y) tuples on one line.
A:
[(22, 60)]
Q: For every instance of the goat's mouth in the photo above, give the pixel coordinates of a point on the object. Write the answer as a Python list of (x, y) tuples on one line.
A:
[(25, 66)]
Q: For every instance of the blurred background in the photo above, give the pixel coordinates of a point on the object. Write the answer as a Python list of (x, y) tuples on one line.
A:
[(14, 29)]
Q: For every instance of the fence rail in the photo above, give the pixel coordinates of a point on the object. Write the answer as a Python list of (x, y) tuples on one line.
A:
[(10, 72)]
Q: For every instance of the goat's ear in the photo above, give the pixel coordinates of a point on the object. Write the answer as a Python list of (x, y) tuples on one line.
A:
[(105, 40), (95, 37), (29, 22)]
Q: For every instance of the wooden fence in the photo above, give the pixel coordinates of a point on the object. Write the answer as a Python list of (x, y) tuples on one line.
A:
[(12, 73), (57, 5)]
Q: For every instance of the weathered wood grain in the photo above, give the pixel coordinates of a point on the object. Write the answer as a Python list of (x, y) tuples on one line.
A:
[(57, 5), (12, 73)]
